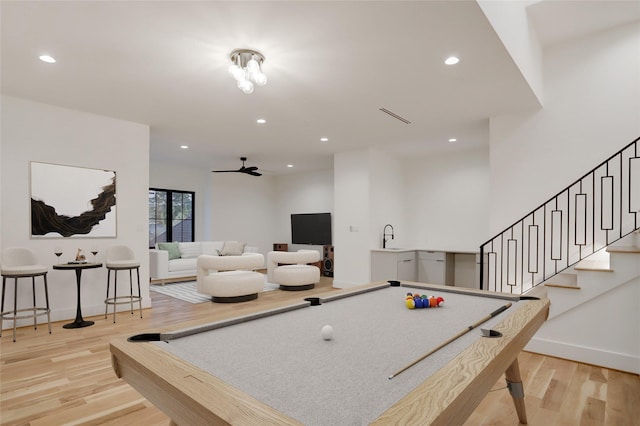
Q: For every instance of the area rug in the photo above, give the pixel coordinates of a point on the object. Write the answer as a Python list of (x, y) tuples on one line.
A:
[(187, 292)]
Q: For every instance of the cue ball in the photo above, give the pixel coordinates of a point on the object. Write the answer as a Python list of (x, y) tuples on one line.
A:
[(327, 332)]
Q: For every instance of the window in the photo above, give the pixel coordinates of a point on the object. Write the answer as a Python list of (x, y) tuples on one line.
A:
[(170, 215)]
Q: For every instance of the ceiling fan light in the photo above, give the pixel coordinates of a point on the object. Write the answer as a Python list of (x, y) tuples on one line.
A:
[(260, 78), (236, 72), (246, 68), (253, 65), (246, 87)]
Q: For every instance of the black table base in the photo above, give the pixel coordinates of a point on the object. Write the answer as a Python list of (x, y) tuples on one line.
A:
[(78, 324)]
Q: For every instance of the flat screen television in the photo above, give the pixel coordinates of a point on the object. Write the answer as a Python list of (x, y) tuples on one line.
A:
[(311, 228)]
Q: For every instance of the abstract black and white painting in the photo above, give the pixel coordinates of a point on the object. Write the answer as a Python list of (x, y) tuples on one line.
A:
[(69, 201)]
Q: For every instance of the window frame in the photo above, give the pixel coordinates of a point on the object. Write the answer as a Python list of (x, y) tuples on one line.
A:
[(169, 214)]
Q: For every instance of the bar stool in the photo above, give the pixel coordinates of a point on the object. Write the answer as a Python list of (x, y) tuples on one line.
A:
[(19, 262), (121, 258)]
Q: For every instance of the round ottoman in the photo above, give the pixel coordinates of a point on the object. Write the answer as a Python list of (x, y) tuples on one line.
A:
[(296, 277), (233, 286)]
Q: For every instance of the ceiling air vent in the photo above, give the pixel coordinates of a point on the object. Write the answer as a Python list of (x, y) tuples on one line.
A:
[(396, 116)]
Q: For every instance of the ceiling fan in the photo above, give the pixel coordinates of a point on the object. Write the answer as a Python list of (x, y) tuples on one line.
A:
[(248, 170)]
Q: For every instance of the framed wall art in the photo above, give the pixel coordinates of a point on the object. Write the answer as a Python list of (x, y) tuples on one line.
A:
[(72, 202)]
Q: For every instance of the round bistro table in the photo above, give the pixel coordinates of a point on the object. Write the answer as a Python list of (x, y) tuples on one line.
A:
[(79, 322)]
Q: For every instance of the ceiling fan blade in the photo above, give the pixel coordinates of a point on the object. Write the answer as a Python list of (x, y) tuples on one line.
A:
[(252, 170)]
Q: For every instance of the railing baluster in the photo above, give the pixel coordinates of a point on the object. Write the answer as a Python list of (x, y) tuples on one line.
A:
[(501, 266)]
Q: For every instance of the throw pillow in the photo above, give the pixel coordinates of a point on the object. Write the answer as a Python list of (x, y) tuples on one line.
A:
[(190, 250), (172, 248), (232, 248)]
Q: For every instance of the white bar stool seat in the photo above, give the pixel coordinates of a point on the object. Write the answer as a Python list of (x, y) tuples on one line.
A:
[(121, 258), (19, 262)]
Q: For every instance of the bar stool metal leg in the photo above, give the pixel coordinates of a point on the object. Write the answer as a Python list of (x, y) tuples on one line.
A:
[(15, 306), (33, 289), (131, 289), (106, 299), (139, 292), (115, 293), (4, 281), (46, 298)]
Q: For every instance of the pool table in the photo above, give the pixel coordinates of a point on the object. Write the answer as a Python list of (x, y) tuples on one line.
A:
[(275, 367)]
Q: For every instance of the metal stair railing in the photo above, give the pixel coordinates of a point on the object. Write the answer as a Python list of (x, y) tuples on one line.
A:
[(596, 210)]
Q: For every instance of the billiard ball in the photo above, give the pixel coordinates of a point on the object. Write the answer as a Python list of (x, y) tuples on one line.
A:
[(327, 332)]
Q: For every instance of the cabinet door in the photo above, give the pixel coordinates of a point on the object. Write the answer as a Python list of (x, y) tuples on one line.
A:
[(383, 266), (431, 271), (407, 269)]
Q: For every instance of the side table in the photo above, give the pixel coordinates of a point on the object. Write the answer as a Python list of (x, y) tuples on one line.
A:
[(79, 322)]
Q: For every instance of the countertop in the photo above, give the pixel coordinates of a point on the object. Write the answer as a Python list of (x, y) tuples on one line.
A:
[(404, 250)]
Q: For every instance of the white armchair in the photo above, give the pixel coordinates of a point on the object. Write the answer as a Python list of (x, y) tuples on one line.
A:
[(230, 278), (291, 270)]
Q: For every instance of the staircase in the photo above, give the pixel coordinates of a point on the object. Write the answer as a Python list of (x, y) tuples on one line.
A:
[(595, 211), (581, 249), (595, 309)]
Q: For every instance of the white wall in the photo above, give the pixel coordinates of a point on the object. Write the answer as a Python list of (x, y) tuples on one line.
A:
[(592, 109), (37, 132), (509, 21), (300, 193), (352, 222), (387, 200), (243, 209), (448, 200)]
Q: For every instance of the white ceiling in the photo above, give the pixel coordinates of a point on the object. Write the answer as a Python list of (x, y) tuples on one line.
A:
[(331, 66)]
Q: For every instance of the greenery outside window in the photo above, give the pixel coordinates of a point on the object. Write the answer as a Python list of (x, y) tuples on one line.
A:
[(171, 216)]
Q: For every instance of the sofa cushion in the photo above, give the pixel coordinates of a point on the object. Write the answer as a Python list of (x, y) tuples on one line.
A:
[(232, 248), (183, 265), (190, 250), (212, 248), (172, 248)]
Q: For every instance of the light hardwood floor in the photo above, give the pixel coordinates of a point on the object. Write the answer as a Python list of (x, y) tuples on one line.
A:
[(66, 377)]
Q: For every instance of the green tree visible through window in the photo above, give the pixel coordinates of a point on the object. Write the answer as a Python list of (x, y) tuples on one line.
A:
[(170, 221)]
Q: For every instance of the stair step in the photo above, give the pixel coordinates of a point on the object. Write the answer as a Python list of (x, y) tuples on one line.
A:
[(593, 265), (563, 279), (538, 291), (570, 287), (623, 249)]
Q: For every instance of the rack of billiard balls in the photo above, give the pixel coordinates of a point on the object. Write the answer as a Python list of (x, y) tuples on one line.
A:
[(417, 301)]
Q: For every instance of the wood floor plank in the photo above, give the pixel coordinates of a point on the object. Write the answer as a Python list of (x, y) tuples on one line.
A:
[(66, 377)]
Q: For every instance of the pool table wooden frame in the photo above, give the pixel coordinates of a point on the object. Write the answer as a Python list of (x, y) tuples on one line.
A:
[(191, 396)]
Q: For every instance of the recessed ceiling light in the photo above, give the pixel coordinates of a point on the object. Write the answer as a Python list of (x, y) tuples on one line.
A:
[(261, 121), (451, 60), (324, 139), (184, 146), (453, 140), (290, 165), (48, 59)]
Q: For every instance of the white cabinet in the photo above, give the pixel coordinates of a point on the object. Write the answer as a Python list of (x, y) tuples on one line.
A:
[(393, 265), (435, 267)]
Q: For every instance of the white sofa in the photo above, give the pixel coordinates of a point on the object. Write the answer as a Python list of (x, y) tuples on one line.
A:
[(182, 261)]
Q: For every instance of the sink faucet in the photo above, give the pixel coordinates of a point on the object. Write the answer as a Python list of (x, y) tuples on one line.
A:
[(384, 235)]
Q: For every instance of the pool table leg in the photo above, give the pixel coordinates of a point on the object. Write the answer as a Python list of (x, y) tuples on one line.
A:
[(514, 383)]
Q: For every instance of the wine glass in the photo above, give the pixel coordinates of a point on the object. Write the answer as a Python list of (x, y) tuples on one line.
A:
[(94, 252), (58, 252)]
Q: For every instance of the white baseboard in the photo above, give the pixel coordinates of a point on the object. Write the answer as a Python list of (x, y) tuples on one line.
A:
[(593, 356)]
